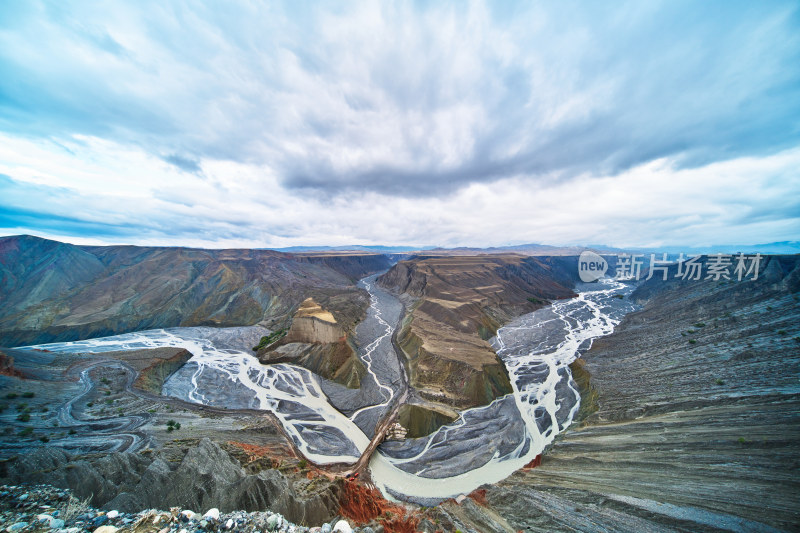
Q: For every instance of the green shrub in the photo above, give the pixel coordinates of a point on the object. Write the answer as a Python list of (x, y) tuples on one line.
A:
[(718, 381), (699, 325), (11, 395), (25, 432), (44, 438), (269, 339), (24, 417), (692, 341), (72, 431), (28, 395)]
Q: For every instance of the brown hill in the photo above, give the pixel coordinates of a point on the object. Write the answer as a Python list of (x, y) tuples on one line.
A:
[(455, 305), (320, 343), (54, 291)]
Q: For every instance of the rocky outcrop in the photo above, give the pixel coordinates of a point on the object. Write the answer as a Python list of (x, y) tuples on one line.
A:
[(54, 291), (153, 376), (313, 324), (420, 421), (205, 477), (455, 304), (7, 366), (318, 342)]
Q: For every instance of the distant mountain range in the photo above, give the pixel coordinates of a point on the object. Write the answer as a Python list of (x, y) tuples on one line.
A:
[(774, 248), (353, 248)]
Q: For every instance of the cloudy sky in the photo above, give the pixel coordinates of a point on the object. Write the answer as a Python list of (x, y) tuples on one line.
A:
[(259, 124)]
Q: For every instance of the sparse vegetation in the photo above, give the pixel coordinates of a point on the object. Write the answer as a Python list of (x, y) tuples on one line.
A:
[(74, 508), (302, 464), (700, 325), (24, 417), (44, 438), (719, 381), (172, 425), (692, 341), (534, 300), (28, 394), (781, 332), (25, 432), (72, 431), (11, 395), (269, 339)]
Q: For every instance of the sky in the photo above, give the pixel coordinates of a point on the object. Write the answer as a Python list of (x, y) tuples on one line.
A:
[(261, 124)]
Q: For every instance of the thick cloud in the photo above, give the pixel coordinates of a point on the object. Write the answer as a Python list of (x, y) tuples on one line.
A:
[(256, 124), (409, 99)]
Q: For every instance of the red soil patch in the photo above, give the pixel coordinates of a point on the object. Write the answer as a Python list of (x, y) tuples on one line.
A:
[(7, 366), (363, 505), (479, 496), (536, 462), (254, 451)]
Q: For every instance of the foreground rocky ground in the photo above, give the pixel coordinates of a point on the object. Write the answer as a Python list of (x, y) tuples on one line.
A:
[(45, 508)]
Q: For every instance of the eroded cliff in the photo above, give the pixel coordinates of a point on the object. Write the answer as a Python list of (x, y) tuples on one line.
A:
[(318, 342), (454, 305)]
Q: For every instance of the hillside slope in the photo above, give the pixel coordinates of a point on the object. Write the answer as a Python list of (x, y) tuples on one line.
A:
[(693, 409), (53, 291), (454, 305)]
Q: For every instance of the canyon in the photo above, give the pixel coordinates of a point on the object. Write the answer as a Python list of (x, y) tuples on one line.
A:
[(532, 401)]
